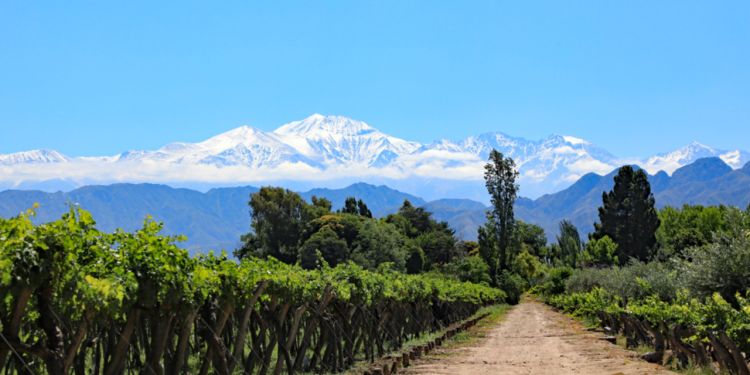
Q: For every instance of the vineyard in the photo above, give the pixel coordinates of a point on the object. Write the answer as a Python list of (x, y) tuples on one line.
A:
[(697, 333), (77, 300)]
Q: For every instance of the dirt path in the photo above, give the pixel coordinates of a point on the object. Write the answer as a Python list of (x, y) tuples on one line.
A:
[(534, 339)]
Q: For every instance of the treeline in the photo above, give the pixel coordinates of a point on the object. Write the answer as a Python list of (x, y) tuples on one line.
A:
[(510, 254), (674, 279), (313, 235), (76, 300)]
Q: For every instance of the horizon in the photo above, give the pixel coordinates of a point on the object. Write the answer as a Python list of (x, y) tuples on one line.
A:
[(635, 80)]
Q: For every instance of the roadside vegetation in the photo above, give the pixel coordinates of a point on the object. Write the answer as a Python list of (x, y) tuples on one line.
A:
[(672, 282)]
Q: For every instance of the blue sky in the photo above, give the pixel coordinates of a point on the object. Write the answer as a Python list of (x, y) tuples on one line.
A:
[(636, 77)]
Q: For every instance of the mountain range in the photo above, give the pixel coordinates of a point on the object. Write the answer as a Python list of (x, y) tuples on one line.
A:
[(217, 218), (334, 151)]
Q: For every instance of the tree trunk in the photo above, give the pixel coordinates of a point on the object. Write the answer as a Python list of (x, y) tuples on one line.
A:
[(183, 342), (54, 355), (116, 363), (10, 331)]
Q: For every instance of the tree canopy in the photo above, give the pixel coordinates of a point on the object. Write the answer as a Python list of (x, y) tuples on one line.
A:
[(628, 216)]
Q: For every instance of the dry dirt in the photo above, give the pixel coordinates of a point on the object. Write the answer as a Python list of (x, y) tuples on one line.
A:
[(534, 339)]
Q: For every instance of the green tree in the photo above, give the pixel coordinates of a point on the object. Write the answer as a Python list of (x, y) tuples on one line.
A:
[(488, 247), (439, 245), (415, 261), (323, 203), (628, 216), (350, 206), (279, 217), (377, 243), (569, 243), (529, 237), (471, 268), (599, 253), (690, 226), (362, 209), (722, 266), (326, 244), (500, 179), (412, 221)]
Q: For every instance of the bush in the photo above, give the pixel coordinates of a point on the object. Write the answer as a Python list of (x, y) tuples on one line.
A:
[(600, 252), (513, 285), (472, 268), (554, 281), (723, 266), (636, 280)]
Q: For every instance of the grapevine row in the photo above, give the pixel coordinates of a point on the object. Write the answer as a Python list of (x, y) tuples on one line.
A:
[(76, 300), (692, 332)]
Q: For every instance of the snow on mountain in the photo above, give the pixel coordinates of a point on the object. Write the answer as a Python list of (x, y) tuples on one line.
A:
[(243, 146), (341, 140), (33, 157), (320, 148), (550, 163), (671, 161)]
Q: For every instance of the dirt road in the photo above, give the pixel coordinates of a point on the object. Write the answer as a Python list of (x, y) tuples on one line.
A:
[(534, 339)]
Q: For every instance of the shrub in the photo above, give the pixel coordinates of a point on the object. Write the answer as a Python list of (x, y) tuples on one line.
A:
[(513, 285), (472, 268)]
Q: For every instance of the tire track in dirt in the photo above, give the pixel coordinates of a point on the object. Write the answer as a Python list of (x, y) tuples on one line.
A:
[(534, 339)]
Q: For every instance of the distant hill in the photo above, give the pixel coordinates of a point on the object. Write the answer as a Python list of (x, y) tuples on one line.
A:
[(212, 220), (707, 181), (217, 218)]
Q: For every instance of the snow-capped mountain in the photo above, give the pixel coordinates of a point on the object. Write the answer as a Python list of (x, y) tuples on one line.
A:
[(243, 146), (334, 148), (671, 161), (335, 140), (33, 157)]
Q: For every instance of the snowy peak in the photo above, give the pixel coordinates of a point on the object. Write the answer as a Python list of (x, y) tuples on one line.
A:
[(33, 157), (671, 161), (338, 139), (318, 126)]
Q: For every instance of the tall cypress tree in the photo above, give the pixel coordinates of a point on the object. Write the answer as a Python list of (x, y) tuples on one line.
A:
[(500, 178), (628, 215)]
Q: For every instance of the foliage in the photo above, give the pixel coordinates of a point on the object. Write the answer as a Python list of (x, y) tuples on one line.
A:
[(84, 301), (569, 243), (377, 243), (439, 245), (599, 252), (489, 249), (415, 261), (356, 207), (634, 281), (500, 176), (528, 267), (554, 281), (722, 266), (279, 217), (688, 227), (436, 239), (471, 268), (628, 216), (513, 285), (327, 244)]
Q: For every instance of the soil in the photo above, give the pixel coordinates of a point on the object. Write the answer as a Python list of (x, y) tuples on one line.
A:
[(534, 339)]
